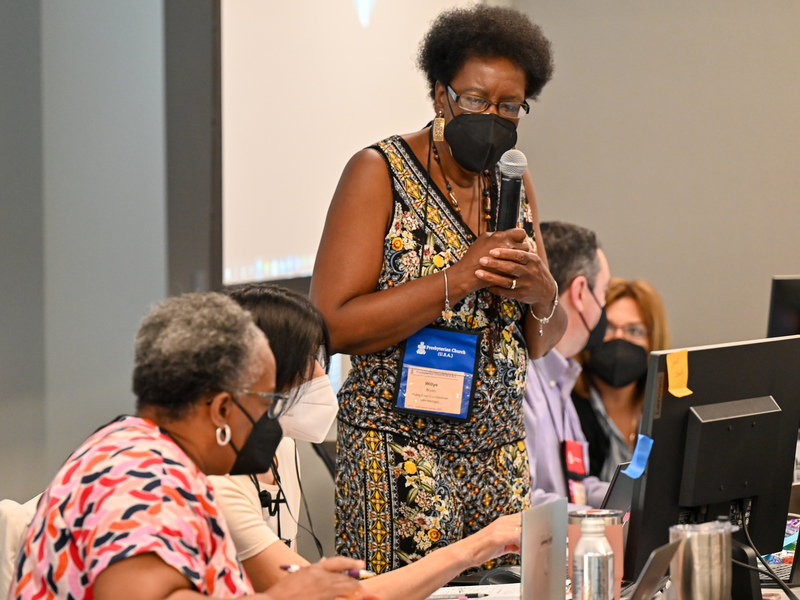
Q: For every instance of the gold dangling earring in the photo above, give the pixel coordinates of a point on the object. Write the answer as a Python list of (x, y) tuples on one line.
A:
[(438, 127), (484, 186)]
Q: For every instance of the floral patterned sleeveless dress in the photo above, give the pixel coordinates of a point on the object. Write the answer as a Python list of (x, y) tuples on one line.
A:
[(407, 484)]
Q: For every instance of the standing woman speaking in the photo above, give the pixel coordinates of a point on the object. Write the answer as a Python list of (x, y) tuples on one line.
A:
[(438, 311)]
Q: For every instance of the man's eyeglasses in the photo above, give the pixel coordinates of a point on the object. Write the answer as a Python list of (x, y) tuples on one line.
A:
[(476, 104), (279, 404)]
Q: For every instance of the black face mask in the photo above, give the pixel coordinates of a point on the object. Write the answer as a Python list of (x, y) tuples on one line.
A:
[(478, 140), (259, 449), (618, 362), (598, 333)]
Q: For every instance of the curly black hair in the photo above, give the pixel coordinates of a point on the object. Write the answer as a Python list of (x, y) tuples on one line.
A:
[(489, 32)]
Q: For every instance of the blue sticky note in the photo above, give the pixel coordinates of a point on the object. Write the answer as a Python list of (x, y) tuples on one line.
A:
[(639, 459)]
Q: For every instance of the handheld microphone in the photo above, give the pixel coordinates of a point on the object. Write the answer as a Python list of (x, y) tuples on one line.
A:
[(512, 165)]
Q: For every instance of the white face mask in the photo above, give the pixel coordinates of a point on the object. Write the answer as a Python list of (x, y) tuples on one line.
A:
[(311, 417)]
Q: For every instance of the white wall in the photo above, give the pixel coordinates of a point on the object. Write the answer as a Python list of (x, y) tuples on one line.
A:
[(672, 129), (100, 251), (104, 205), (22, 250), (303, 89)]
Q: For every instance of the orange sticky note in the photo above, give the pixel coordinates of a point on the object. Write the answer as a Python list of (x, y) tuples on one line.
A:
[(678, 373)]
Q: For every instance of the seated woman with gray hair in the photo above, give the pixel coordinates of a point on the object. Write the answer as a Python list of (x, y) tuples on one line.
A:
[(131, 513)]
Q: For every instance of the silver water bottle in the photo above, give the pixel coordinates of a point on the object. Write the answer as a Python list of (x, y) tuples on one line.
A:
[(593, 563)]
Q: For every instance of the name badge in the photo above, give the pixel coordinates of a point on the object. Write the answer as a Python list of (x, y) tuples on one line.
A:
[(574, 470), (573, 459), (438, 373)]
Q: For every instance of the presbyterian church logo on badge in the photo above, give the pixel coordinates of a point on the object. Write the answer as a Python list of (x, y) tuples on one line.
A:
[(421, 348)]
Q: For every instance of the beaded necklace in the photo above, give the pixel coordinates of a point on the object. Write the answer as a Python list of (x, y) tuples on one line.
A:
[(483, 189)]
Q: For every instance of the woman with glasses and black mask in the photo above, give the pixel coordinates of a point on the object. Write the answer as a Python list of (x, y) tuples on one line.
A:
[(299, 339), (438, 310), (610, 391)]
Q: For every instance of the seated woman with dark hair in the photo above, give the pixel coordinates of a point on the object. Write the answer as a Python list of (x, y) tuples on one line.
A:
[(131, 513), (298, 338)]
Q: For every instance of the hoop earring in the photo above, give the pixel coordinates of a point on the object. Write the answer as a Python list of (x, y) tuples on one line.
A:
[(224, 441), (438, 127)]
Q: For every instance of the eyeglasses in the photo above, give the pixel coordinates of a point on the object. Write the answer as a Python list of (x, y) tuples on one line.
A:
[(476, 104), (279, 402), (635, 331)]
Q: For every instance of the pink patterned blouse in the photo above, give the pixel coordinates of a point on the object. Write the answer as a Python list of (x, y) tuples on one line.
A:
[(128, 490)]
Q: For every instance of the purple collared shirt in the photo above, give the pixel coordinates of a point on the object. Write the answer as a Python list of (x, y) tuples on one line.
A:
[(550, 418)]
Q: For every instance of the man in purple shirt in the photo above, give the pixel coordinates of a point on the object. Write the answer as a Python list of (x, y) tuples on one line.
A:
[(557, 449)]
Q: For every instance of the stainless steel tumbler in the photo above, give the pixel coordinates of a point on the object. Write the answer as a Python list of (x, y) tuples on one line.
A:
[(701, 568)]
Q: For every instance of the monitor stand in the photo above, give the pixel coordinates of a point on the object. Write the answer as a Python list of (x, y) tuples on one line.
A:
[(745, 584)]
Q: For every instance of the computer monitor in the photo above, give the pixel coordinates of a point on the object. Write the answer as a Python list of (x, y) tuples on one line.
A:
[(732, 439), (784, 306)]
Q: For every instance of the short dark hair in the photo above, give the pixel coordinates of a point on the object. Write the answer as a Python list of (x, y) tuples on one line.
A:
[(485, 31), (193, 344), (571, 251), (295, 328)]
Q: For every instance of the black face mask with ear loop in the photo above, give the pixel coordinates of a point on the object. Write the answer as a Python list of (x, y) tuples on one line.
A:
[(478, 140), (259, 449), (598, 333), (618, 362)]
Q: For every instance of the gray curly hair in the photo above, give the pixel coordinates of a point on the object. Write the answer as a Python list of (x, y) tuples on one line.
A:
[(193, 344)]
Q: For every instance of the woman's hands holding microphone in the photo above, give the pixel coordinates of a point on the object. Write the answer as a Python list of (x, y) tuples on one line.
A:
[(510, 267)]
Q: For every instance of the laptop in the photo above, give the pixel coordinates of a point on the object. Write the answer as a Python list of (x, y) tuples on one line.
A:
[(652, 578), (543, 571), (783, 563), (543, 551), (620, 491)]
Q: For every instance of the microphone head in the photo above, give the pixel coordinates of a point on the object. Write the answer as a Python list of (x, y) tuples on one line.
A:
[(513, 164)]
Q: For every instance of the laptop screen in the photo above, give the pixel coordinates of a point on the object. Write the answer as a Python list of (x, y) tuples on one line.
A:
[(786, 556), (620, 492)]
